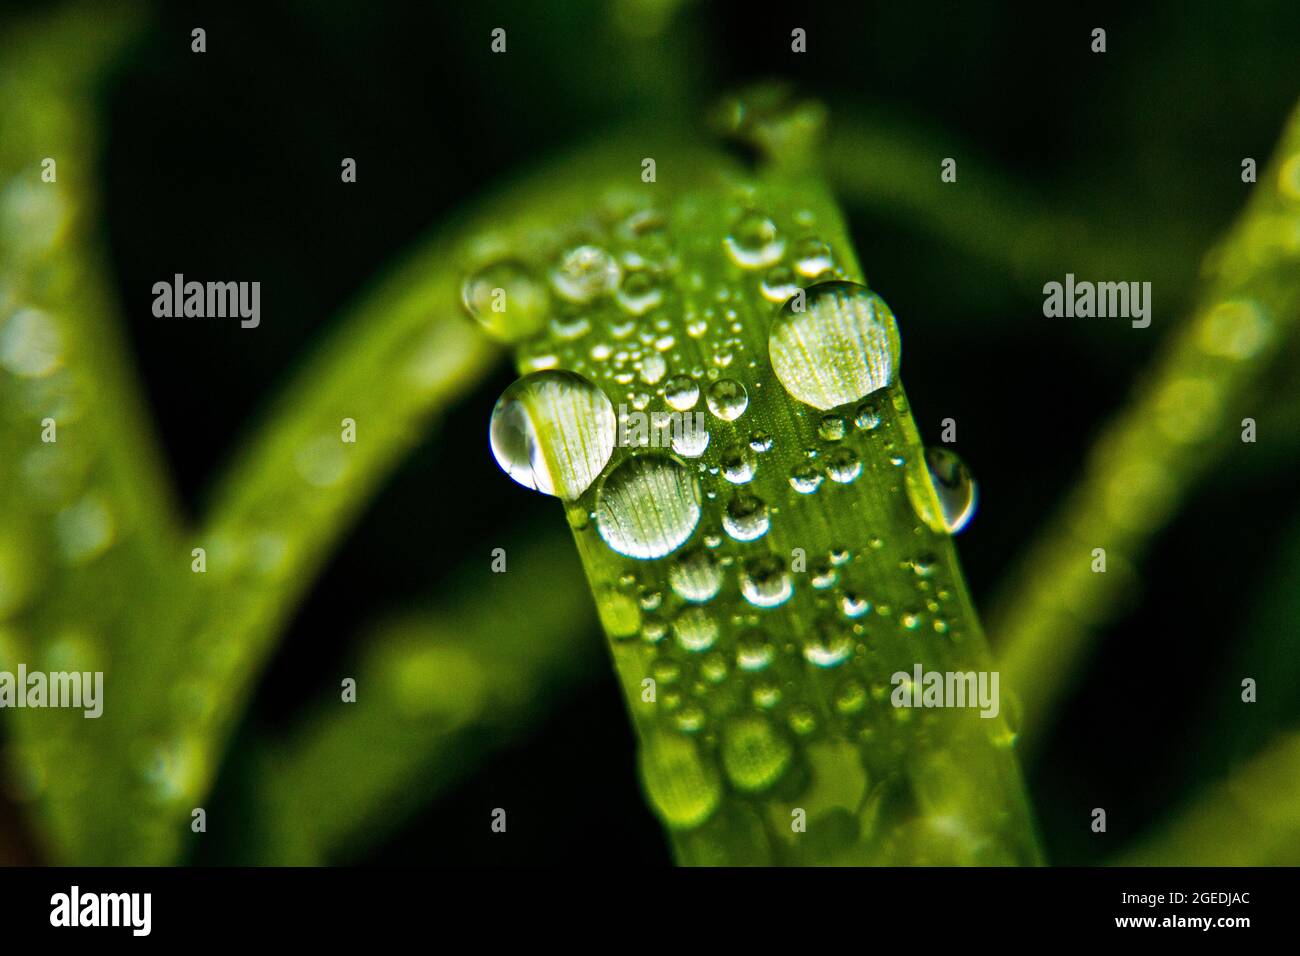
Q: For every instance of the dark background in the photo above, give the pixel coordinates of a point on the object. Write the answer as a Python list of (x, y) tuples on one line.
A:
[(227, 164)]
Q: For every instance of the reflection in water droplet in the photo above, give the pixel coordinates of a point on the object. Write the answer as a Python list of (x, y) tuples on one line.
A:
[(754, 242), (947, 501), (648, 506), (841, 347), (553, 431), (738, 465), (506, 300), (728, 399)]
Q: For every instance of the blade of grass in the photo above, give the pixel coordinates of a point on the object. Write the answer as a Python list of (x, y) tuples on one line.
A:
[(1182, 420), (437, 691), (736, 754), (1250, 819)]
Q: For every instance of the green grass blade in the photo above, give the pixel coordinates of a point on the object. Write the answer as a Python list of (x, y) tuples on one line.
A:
[(763, 715), (437, 691), (1184, 418)]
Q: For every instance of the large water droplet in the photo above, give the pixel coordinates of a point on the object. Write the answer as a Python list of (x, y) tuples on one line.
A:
[(681, 393), (946, 500), (553, 431), (696, 629), (683, 788), (842, 346), (648, 506), (506, 300), (829, 645)]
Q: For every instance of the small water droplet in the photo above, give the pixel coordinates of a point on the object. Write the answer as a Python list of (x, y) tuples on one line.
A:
[(553, 431), (648, 506), (695, 576), (696, 629), (738, 466), (829, 645), (754, 755), (841, 347), (945, 498), (805, 479), (765, 582), (812, 257), (586, 273), (779, 285), (639, 293), (754, 242), (843, 466), (681, 393), (728, 399), (31, 345), (831, 428), (506, 300), (760, 441), (745, 517)]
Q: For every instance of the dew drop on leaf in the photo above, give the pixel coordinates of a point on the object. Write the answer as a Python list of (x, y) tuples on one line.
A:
[(840, 347), (946, 501), (553, 431), (648, 506)]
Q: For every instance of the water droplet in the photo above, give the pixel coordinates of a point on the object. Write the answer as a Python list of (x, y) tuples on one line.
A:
[(639, 293), (805, 479), (765, 582), (753, 653), (843, 346), (753, 754), (695, 576), (681, 393), (586, 273), (843, 465), (689, 441), (506, 300), (831, 428), (866, 418), (746, 517), (728, 399), (829, 645), (754, 242), (946, 501), (31, 345), (779, 285), (812, 257), (553, 431), (85, 530), (648, 506), (696, 629), (738, 466), (853, 606), (760, 441)]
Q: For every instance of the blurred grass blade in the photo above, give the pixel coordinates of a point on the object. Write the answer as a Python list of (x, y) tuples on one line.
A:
[(437, 691), (87, 520), (1250, 819), (1184, 418)]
